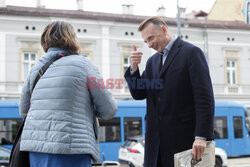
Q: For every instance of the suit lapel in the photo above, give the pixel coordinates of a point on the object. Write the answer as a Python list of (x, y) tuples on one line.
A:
[(157, 63), (172, 54)]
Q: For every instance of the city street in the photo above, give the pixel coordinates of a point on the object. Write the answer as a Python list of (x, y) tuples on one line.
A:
[(115, 78), (232, 162), (239, 162)]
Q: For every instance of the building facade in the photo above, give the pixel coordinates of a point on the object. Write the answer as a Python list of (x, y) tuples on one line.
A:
[(107, 40), (247, 12), (233, 10)]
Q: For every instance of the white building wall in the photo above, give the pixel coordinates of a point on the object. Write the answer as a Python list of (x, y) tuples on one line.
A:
[(2, 61), (106, 39), (105, 47)]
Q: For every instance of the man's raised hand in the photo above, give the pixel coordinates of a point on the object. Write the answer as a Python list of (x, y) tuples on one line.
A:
[(135, 58)]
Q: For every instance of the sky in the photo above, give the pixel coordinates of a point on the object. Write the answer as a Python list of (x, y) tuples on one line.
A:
[(141, 7)]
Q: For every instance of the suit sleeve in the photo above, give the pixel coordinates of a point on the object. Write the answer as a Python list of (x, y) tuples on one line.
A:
[(202, 92), (132, 79)]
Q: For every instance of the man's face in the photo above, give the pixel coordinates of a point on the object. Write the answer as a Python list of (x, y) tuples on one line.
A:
[(155, 36)]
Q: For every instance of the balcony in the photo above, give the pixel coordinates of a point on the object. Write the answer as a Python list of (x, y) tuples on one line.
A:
[(10, 90), (232, 92)]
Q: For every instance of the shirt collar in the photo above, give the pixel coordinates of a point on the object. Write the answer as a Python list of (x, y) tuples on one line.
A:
[(170, 44), (168, 47)]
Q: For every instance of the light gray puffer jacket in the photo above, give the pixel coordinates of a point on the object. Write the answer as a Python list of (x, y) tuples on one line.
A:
[(61, 110)]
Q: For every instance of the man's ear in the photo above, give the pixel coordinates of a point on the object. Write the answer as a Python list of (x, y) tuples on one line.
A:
[(164, 29)]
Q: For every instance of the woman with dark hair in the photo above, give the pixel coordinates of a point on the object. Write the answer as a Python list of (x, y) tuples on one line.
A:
[(60, 127)]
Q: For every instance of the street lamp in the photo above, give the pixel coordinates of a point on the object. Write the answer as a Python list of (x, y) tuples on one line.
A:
[(178, 19)]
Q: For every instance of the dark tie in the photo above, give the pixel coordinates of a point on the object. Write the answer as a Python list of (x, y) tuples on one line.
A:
[(165, 51), (160, 66)]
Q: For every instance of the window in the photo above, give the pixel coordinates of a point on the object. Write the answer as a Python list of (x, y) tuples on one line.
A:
[(29, 59), (238, 129), (29, 52), (231, 72), (87, 50), (125, 55), (247, 120), (220, 128), (232, 69), (4, 155), (125, 62), (132, 127), (110, 130), (8, 130)]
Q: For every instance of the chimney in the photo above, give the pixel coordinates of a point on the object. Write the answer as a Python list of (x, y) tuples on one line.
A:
[(182, 12), (39, 4), (161, 11), (79, 4), (2, 4), (128, 9)]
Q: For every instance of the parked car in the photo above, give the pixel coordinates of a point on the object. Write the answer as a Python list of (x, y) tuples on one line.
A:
[(106, 164), (220, 157), (4, 156), (132, 153)]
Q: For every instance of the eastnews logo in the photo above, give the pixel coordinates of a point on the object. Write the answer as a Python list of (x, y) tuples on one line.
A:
[(133, 83)]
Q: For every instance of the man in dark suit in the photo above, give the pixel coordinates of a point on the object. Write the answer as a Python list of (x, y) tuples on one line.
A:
[(180, 110)]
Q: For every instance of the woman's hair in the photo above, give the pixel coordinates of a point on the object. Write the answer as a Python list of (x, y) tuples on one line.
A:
[(60, 34)]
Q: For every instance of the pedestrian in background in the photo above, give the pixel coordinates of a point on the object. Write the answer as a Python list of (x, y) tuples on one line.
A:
[(180, 110), (61, 111)]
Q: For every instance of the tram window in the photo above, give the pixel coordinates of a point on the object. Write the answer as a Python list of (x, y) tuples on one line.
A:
[(238, 128), (220, 128), (247, 120), (8, 130), (109, 130), (132, 126)]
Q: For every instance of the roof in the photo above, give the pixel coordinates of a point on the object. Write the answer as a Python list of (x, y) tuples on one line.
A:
[(126, 103), (230, 104), (131, 103), (136, 19), (142, 103), (9, 109), (9, 103), (200, 14)]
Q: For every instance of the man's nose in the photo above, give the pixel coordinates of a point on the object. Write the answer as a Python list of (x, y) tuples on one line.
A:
[(149, 44)]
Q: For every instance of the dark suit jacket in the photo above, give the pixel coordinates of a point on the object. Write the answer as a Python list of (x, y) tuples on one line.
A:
[(181, 109)]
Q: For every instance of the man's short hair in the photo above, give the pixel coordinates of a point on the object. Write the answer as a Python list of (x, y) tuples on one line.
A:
[(155, 20)]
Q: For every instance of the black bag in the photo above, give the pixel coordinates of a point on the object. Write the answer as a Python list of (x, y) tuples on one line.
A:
[(21, 158)]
